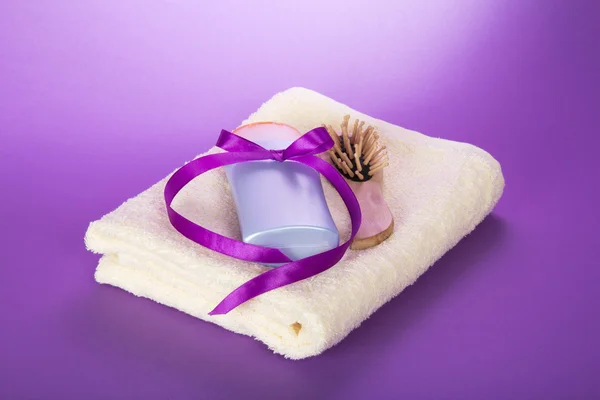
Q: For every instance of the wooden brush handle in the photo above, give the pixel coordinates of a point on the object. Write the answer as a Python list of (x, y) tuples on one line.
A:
[(377, 220)]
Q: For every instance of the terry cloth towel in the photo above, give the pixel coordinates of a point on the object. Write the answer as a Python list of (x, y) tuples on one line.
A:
[(437, 190)]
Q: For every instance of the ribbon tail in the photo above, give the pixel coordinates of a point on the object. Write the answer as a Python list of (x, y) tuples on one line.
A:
[(279, 277)]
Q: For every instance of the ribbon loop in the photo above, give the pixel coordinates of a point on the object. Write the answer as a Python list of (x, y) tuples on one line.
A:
[(312, 142), (304, 150), (237, 144)]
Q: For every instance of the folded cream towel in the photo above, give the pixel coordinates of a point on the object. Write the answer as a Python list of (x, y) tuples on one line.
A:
[(437, 190)]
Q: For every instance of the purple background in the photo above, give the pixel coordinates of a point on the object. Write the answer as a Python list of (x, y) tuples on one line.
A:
[(100, 99)]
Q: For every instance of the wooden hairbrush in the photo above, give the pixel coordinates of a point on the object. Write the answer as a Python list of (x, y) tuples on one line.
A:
[(360, 157)]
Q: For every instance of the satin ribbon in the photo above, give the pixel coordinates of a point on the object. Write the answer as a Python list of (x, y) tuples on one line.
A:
[(304, 150)]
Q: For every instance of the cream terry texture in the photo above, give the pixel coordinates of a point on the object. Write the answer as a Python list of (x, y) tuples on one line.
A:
[(437, 190)]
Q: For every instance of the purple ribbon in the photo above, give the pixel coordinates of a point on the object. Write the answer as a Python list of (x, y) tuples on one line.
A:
[(304, 150)]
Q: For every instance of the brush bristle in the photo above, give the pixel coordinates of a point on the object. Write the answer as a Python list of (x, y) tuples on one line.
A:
[(358, 154)]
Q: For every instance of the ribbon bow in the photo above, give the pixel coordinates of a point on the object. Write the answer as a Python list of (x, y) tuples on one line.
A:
[(303, 150)]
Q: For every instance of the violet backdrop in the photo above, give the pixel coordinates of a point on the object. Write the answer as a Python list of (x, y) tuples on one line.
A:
[(100, 99)]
